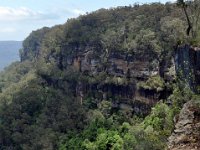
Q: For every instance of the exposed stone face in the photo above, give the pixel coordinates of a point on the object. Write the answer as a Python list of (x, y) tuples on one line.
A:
[(121, 67), (186, 134), (115, 63), (123, 72), (188, 65)]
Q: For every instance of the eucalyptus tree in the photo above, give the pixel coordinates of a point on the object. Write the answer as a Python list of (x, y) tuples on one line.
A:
[(191, 10)]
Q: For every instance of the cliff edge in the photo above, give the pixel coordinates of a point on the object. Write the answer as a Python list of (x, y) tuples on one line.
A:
[(186, 134)]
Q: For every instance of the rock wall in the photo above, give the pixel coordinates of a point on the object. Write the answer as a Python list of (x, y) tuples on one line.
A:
[(123, 73), (188, 65), (186, 134)]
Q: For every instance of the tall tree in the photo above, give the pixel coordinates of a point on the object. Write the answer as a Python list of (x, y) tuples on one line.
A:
[(183, 5), (191, 10)]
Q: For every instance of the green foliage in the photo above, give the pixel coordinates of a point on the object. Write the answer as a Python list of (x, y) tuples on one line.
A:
[(173, 30), (37, 114), (160, 119), (14, 73), (106, 133), (147, 42), (32, 44), (153, 83), (180, 96), (67, 142), (192, 13), (105, 107)]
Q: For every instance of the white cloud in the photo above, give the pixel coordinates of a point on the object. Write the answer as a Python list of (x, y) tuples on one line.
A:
[(7, 30), (22, 13), (8, 14), (17, 23), (77, 12), (172, 1)]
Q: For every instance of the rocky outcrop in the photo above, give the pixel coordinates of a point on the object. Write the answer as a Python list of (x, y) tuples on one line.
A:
[(186, 134), (123, 73), (188, 65)]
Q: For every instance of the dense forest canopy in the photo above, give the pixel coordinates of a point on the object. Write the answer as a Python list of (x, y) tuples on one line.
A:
[(50, 100)]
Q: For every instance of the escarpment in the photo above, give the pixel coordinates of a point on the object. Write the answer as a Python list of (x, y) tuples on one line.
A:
[(131, 80), (121, 79), (108, 58), (112, 58)]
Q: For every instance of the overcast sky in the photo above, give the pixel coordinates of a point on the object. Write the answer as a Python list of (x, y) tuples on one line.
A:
[(19, 17)]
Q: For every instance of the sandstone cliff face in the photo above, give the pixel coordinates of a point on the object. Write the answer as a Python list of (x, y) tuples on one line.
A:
[(123, 73), (186, 134), (188, 65)]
